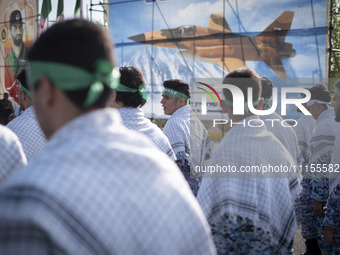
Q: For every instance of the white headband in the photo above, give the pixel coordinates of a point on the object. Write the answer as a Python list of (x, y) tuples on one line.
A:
[(313, 101)]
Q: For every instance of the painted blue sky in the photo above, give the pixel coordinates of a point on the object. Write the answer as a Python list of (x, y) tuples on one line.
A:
[(128, 18)]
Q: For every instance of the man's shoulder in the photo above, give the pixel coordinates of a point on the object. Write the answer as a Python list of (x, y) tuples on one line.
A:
[(326, 126), (24, 124), (178, 119), (7, 135)]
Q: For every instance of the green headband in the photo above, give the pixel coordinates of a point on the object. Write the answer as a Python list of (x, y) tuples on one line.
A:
[(123, 88), (230, 104), (174, 93), (26, 91), (337, 92), (69, 78)]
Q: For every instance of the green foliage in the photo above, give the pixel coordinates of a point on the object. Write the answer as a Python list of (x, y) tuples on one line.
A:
[(335, 56)]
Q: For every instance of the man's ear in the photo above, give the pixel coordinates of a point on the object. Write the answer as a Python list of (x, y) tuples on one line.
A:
[(182, 101), (24, 96), (113, 101), (47, 92)]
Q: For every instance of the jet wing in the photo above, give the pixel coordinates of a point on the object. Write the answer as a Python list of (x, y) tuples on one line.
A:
[(277, 67), (229, 63), (217, 22)]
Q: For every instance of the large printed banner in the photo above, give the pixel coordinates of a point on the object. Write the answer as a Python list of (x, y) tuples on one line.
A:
[(18, 30), (186, 39)]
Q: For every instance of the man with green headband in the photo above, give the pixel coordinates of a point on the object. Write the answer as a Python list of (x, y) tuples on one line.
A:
[(175, 100), (316, 183), (248, 212), (129, 98), (97, 187), (26, 126), (285, 134), (332, 214), (304, 130)]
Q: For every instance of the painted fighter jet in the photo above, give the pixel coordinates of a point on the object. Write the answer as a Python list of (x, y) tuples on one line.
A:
[(216, 43)]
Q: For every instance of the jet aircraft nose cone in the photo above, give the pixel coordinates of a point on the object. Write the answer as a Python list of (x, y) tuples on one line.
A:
[(138, 38)]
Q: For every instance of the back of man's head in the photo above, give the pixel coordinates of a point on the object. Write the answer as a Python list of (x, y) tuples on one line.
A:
[(6, 95), (178, 85), (21, 77), (81, 44), (243, 78), (267, 88), (320, 92), (131, 77)]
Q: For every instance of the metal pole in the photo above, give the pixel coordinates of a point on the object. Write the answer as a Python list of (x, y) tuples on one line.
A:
[(91, 10), (152, 62)]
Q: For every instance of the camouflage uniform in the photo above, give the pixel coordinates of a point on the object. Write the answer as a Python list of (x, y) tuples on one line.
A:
[(231, 233), (184, 165), (332, 217), (320, 149), (304, 210)]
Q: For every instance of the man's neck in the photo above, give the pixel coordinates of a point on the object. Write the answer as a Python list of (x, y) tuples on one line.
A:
[(27, 105)]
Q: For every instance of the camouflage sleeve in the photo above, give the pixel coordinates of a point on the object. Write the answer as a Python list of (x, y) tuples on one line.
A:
[(320, 189), (332, 217), (184, 165)]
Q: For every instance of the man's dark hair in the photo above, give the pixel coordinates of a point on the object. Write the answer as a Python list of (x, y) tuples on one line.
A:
[(178, 85), (243, 78), (78, 43), (130, 77), (320, 92), (267, 88), (22, 78), (6, 95)]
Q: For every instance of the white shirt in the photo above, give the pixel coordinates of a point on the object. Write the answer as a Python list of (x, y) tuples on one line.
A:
[(304, 131), (320, 152), (268, 202), (12, 156), (100, 188), (27, 128), (178, 129), (201, 145), (286, 135), (323, 138), (133, 118)]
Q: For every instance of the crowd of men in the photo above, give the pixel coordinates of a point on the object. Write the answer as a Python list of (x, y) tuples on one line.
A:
[(83, 171)]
